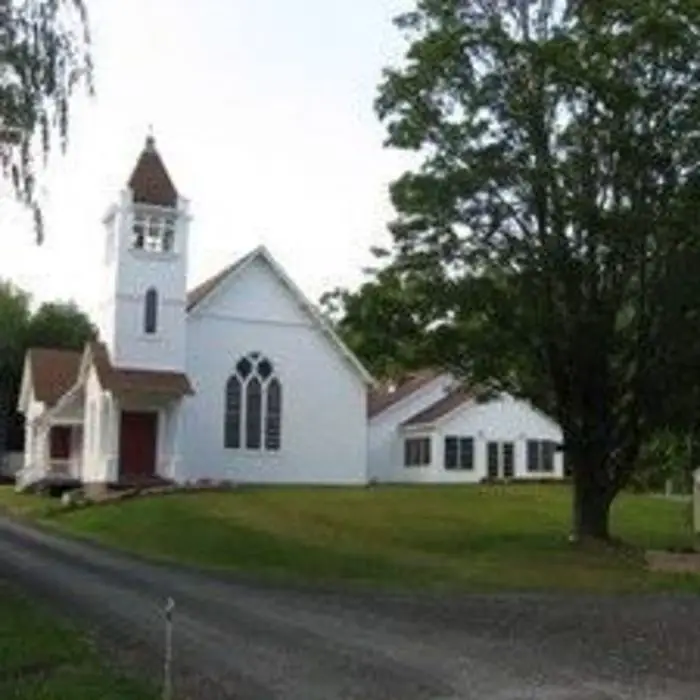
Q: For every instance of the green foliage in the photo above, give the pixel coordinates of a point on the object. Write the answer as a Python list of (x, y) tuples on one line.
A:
[(60, 325), (14, 317), (667, 457), (44, 59), (555, 207), (386, 322)]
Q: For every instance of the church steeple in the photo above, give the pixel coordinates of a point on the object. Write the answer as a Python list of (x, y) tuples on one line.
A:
[(150, 182), (145, 274)]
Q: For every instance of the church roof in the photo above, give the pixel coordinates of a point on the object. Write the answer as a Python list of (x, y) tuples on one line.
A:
[(441, 408), (120, 380), (390, 393), (53, 372), (194, 296), (150, 182)]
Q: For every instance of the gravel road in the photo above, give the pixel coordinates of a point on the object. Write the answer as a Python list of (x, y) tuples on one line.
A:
[(237, 639)]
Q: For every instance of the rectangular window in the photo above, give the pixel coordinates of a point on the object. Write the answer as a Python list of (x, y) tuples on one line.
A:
[(451, 453), (459, 452), (466, 453), (492, 459), (548, 448), (508, 460), (533, 456), (417, 452), (540, 456)]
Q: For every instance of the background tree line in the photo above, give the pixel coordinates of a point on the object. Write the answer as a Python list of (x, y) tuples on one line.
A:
[(52, 325)]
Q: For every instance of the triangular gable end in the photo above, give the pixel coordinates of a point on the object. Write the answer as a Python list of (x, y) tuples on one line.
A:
[(468, 402), (299, 297)]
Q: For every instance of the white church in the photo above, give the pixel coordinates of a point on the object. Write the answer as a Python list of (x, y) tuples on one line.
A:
[(241, 379)]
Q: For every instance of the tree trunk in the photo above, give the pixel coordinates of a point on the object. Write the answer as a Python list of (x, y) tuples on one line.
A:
[(592, 501)]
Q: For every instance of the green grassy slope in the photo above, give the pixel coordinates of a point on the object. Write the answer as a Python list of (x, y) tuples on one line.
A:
[(463, 537)]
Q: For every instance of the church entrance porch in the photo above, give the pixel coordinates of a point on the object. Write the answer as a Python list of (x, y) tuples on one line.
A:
[(145, 438)]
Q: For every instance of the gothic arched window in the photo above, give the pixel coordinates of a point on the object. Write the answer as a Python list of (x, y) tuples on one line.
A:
[(150, 316), (253, 410)]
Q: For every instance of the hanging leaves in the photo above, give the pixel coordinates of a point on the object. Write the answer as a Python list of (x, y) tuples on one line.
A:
[(44, 59)]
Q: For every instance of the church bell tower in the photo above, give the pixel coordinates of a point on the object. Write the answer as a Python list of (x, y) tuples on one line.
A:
[(144, 298)]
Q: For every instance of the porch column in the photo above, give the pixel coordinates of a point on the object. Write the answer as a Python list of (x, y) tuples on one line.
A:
[(110, 428), (43, 446), (174, 419), (29, 440)]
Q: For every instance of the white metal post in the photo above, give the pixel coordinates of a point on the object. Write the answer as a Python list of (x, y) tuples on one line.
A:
[(168, 665)]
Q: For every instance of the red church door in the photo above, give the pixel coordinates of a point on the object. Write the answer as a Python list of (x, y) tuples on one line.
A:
[(138, 437)]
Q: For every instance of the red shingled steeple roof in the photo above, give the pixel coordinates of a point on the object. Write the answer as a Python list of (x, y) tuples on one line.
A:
[(150, 182)]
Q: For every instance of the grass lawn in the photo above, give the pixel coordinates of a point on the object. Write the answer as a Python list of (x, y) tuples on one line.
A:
[(459, 537), (41, 659)]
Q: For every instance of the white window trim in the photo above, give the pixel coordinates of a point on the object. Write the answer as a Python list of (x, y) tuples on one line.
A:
[(243, 449), (458, 467)]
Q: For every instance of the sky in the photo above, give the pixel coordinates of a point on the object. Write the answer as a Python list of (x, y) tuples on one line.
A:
[(263, 113)]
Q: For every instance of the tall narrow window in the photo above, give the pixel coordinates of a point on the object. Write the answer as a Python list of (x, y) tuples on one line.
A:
[(508, 460), (533, 456), (492, 460), (273, 416), (253, 406), (253, 414), (232, 421), (150, 321), (548, 448)]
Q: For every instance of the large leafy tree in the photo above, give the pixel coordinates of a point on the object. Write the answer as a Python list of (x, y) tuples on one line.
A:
[(388, 321), (44, 59), (560, 155)]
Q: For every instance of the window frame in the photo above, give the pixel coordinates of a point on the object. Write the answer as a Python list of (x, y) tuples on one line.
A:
[(150, 312), (541, 456), (421, 456), (463, 447), (272, 416), (233, 413), (493, 450), (266, 436)]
